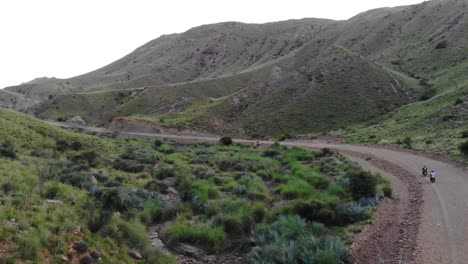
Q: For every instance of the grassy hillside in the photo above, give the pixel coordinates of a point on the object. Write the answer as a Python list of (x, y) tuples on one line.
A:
[(82, 198), (438, 124), (264, 80)]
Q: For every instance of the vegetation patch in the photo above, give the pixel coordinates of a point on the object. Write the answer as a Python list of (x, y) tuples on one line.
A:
[(211, 196)]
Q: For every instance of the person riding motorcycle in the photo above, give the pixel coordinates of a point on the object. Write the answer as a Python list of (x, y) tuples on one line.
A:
[(424, 170), (433, 176)]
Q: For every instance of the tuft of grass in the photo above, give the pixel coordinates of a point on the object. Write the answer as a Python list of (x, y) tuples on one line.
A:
[(291, 239), (387, 190), (202, 234)]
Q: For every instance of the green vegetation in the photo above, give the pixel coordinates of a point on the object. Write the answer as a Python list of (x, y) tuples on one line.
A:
[(201, 234), (98, 195), (53, 195), (436, 125), (290, 239)]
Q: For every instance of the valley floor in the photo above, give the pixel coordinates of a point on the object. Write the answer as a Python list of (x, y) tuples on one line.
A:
[(424, 224)]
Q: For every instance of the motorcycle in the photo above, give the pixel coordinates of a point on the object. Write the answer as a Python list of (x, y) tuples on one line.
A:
[(432, 178), (424, 173)]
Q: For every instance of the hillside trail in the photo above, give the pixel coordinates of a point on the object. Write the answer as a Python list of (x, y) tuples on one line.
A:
[(424, 223)]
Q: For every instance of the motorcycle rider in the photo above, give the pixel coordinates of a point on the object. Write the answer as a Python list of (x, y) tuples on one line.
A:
[(424, 170), (433, 176)]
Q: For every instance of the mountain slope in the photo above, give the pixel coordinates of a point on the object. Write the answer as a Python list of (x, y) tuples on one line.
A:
[(292, 76)]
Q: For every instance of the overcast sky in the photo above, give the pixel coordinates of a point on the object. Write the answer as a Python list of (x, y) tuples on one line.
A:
[(65, 38)]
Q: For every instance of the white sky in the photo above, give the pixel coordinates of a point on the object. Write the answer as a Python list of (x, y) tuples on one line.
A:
[(65, 38)]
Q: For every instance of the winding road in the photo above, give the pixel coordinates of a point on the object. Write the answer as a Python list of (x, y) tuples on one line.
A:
[(424, 223)]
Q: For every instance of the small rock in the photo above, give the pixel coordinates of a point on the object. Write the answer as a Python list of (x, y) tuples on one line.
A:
[(135, 255)]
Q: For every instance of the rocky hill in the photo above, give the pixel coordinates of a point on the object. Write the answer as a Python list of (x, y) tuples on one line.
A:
[(293, 76)]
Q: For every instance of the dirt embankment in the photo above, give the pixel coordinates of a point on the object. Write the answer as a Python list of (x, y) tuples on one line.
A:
[(125, 125)]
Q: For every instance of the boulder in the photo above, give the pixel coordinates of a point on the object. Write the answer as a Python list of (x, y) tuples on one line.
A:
[(77, 120)]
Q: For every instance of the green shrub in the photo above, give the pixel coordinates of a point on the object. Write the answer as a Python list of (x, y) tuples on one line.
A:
[(111, 199), (407, 142), (236, 215), (7, 150), (428, 92), (284, 137), (89, 157), (76, 146), (164, 172), (202, 234), (157, 256), (290, 239), (458, 101), (350, 213), (97, 219), (362, 184), (29, 246), (157, 143), (53, 190), (337, 190), (9, 187), (62, 145), (259, 211), (324, 152), (312, 210), (205, 190), (464, 134), (86, 260), (226, 141), (43, 153), (299, 188), (271, 152), (130, 233), (295, 188), (387, 191), (141, 155), (464, 148), (81, 246), (441, 45), (128, 165)]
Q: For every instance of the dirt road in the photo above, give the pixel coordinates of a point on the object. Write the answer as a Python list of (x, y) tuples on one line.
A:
[(424, 223)]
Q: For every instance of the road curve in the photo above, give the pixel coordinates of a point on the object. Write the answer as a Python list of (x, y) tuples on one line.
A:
[(439, 229)]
